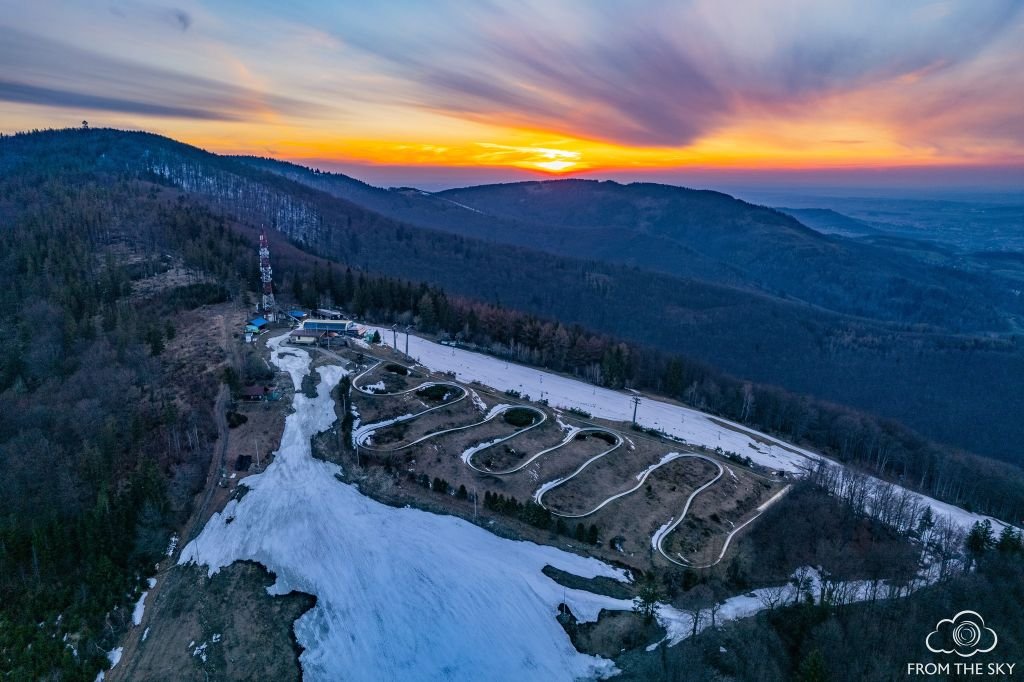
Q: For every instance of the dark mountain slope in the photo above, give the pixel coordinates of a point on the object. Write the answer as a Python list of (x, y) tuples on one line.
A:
[(718, 238), (407, 204), (827, 221), (698, 234), (952, 387)]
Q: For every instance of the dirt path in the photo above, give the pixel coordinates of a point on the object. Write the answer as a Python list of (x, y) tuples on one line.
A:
[(192, 527), (201, 512)]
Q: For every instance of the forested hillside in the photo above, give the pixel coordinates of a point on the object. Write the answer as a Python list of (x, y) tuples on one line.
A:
[(952, 387), (101, 446), (105, 441), (695, 234), (921, 370), (964, 384)]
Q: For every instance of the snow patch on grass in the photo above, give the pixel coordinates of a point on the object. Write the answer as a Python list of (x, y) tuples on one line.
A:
[(140, 609), (401, 593), (478, 402)]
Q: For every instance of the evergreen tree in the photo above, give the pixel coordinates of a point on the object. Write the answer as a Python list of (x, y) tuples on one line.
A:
[(979, 540), (646, 601), (812, 668), (1009, 541)]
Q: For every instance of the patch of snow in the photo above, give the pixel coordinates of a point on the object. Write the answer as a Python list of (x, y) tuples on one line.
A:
[(361, 434), (478, 401), (172, 545), (473, 449), (371, 620), (140, 609), (660, 533), (679, 624), (145, 634)]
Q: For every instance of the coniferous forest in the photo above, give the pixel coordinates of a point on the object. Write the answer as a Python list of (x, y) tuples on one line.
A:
[(103, 445)]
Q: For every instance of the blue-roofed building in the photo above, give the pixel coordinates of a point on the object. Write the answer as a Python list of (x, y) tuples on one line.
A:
[(259, 322), (347, 327), (297, 314)]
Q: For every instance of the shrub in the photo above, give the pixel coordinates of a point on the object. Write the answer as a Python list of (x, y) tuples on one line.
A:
[(520, 417), (236, 419), (435, 392)]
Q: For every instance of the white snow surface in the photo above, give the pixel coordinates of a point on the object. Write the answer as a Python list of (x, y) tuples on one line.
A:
[(688, 425), (478, 401), (401, 593), (473, 449), (680, 422), (172, 545), (140, 609)]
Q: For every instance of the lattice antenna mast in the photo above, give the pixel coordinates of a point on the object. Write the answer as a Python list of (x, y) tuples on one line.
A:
[(266, 274)]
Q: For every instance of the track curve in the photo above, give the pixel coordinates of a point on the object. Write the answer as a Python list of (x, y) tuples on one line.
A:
[(659, 537), (641, 479), (468, 456), (496, 411), (728, 539), (657, 540)]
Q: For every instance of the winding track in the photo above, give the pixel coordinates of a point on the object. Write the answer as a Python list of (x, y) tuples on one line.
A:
[(363, 433), (659, 536), (468, 458), (671, 457), (725, 546), (495, 412)]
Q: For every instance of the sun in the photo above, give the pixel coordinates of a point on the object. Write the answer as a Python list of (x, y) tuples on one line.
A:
[(556, 166), (548, 159)]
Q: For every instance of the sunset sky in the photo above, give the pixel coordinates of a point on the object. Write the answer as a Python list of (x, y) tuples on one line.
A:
[(456, 92)]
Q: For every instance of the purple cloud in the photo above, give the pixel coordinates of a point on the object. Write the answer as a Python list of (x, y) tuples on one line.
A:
[(659, 73), (47, 72)]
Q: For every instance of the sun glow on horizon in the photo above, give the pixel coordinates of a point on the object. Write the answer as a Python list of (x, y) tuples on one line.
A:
[(533, 158), (690, 85)]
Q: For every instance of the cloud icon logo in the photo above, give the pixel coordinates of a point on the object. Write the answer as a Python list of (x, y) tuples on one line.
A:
[(964, 634)]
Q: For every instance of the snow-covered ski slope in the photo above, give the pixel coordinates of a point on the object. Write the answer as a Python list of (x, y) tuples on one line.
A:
[(560, 391), (691, 426), (402, 594)]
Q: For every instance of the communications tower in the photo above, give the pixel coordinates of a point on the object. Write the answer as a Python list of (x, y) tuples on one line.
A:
[(267, 277)]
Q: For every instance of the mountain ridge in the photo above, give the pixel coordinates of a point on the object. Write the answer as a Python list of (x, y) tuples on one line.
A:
[(700, 234), (911, 372)]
